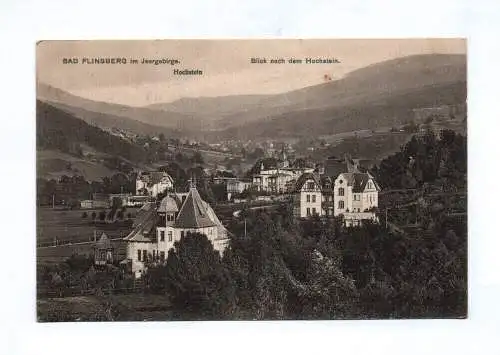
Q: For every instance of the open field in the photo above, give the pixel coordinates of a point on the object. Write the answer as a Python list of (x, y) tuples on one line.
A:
[(68, 226), (52, 164)]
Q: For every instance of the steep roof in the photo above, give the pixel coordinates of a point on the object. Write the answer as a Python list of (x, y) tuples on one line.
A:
[(193, 213), (303, 178), (143, 227), (358, 181)]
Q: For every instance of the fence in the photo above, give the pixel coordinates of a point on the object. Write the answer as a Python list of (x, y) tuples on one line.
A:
[(66, 242)]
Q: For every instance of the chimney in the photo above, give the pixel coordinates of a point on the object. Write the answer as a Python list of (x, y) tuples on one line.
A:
[(356, 165)]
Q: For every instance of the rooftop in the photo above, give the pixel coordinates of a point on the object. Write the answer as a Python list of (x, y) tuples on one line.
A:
[(193, 213)]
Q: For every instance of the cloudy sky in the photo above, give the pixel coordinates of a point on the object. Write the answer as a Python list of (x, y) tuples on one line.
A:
[(225, 64)]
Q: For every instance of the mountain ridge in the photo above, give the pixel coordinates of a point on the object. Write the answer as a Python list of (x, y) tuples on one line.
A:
[(219, 117)]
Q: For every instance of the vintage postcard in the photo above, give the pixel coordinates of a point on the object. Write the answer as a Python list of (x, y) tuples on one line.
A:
[(270, 179)]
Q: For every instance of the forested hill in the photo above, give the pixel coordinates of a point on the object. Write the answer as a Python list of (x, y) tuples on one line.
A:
[(57, 129)]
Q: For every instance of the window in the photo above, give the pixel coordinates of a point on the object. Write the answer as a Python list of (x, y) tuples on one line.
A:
[(154, 255), (308, 211), (162, 255), (170, 236), (314, 210), (310, 185), (162, 236), (341, 204), (144, 255), (170, 217), (308, 198), (138, 255), (182, 234), (356, 197), (313, 198), (341, 191)]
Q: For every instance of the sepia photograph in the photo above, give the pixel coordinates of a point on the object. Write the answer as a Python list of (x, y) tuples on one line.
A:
[(251, 179)]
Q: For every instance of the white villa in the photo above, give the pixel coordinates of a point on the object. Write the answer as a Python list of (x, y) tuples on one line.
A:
[(276, 180), (153, 183), (355, 195), (158, 228), (352, 194), (236, 186)]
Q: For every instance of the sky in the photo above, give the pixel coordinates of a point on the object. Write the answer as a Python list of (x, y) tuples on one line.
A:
[(226, 65)]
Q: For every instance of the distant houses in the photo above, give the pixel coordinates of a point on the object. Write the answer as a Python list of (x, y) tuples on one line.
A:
[(104, 201), (98, 200), (237, 186), (278, 179), (153, 183)]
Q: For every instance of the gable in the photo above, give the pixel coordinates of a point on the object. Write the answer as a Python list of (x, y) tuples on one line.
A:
[(371, 185)]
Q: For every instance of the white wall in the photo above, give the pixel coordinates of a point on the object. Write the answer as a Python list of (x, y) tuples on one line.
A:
[(301, 204), (132, 247), (347, 198)]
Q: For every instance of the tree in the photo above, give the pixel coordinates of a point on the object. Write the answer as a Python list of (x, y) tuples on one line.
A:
[(198, 284)]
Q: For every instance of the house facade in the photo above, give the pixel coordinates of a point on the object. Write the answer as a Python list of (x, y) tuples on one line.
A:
[(355, 195), (153, 183), (159, 227), (277, 180), (236, 186), (352, 194), (308, 196)]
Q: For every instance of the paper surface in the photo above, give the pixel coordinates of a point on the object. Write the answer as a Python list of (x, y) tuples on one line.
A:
[(278, 179)]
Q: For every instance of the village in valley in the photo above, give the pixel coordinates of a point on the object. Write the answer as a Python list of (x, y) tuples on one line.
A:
[(157, 213), (208, 221)]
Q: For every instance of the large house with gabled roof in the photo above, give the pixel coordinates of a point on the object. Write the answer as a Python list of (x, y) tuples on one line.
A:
[(159, 227), (351, 193), (355, 196)]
